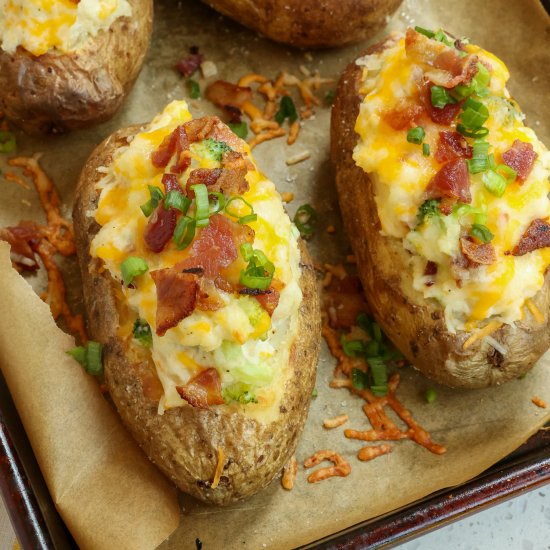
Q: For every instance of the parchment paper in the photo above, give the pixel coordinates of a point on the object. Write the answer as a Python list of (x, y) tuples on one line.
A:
[(478, 427)]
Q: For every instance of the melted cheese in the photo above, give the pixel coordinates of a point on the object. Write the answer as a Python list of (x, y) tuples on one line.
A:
[(401, 173), (41, 25), (204, 338)]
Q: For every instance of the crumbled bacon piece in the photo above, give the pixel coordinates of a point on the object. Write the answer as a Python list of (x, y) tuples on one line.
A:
[(344, 300), (203, 390), (230, 179), (520, 157), (189, 64), (160, 227), (23, 238), (206, 176), (225, 94), (176, 296), (176, 143), (443, 116), (171, 183), (536, 236), (269, 300), (482, 254), (212, 127), (403, 115), (450, 69), (430, 269), (452, 145), (422, 48), (217, 245), (452, 184), (208, 297)]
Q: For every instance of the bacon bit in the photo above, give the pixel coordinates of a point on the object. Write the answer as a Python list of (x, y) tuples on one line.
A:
[(336, 421), (160, 227), (403, 116), (212, 127), (293, 132), (175, 144), (452, 145), (369, 453), (203, 390), (208, 297), (536, 236), (266, 136), (444, 115), (223, 93), (331, 229), (421, 47), (487, 330), (59, 231), (341, 466), (216, 246), (430, 269), (176, 296), (300, 157), (539, 402), (207, 176), (481, 254), (10, 176), (452, 182), (452, 70), (22, 238), (287, 197), (269, 300), (289, 474), (535, 311), (343, 301), (520, 157), (190, 64), (219, 468)]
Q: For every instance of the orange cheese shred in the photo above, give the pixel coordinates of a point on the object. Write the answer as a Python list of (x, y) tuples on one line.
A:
[(535, 311), (487, 330), (219, 468)]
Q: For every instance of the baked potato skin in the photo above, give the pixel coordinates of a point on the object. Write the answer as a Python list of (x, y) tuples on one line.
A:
[(56, 92), (184, 441), (310, 23), (415, 325)]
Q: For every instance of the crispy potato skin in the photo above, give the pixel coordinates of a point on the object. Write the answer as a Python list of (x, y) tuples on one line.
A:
[(310, 23), (184, 441), (55, 92), (415, 325)]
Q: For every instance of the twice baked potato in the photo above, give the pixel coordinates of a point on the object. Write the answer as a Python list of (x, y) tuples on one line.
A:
[(197, 285), (68, 65), (444, 195), (308, 23)]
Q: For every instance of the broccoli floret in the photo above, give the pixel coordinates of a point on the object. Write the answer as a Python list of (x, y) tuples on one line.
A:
[(142, 333), (427, 209), (239, 393)]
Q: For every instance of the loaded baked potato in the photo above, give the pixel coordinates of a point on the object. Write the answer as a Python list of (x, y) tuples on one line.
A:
[(308, 23), (444, 194), (205, 301), (66, 65)]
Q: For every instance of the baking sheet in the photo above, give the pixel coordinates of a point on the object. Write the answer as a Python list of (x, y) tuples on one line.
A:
[(478, 427)]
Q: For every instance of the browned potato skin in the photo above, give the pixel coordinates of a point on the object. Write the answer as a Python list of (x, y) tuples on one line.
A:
[(415, 325), (183, 442), (56, 92), (310, 23)]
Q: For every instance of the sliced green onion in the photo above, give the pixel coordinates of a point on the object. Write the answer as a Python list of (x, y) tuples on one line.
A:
[(478, 85), (250, 217), (7, 142), (479, 161), (239, 128), (426, 149), (491, 162), (184, 233), (477, 133), (89, 357), (287, 109), (363, 322), (193, 88), (494, 183), (156, 195), (246, 251), (509, 174), (306, 219), (329, 97), (440, 36), (352, 348), (202, 206), (481, 232), (376, 332), (480, 218), (474, 114), (142, 333), (425, 32), (430, 395), (94, 365), (220, 203), (372, 348), (175, 199), (379, 375), (314, 393), (359, 379), (131, 268), (259, 272), (416, 135), (441, 97)]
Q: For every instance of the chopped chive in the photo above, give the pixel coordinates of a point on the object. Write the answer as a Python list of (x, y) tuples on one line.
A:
[(184, 233), (416, 135), (306, 220), (494, 183), (193, 88), (430, 396), (239, 128), (481, 232), (131, 268), (441, 97), (426, 149)]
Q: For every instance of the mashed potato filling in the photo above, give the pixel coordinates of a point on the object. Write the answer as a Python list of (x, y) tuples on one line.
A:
[(41, 25), (249, 348), (402, 157)]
